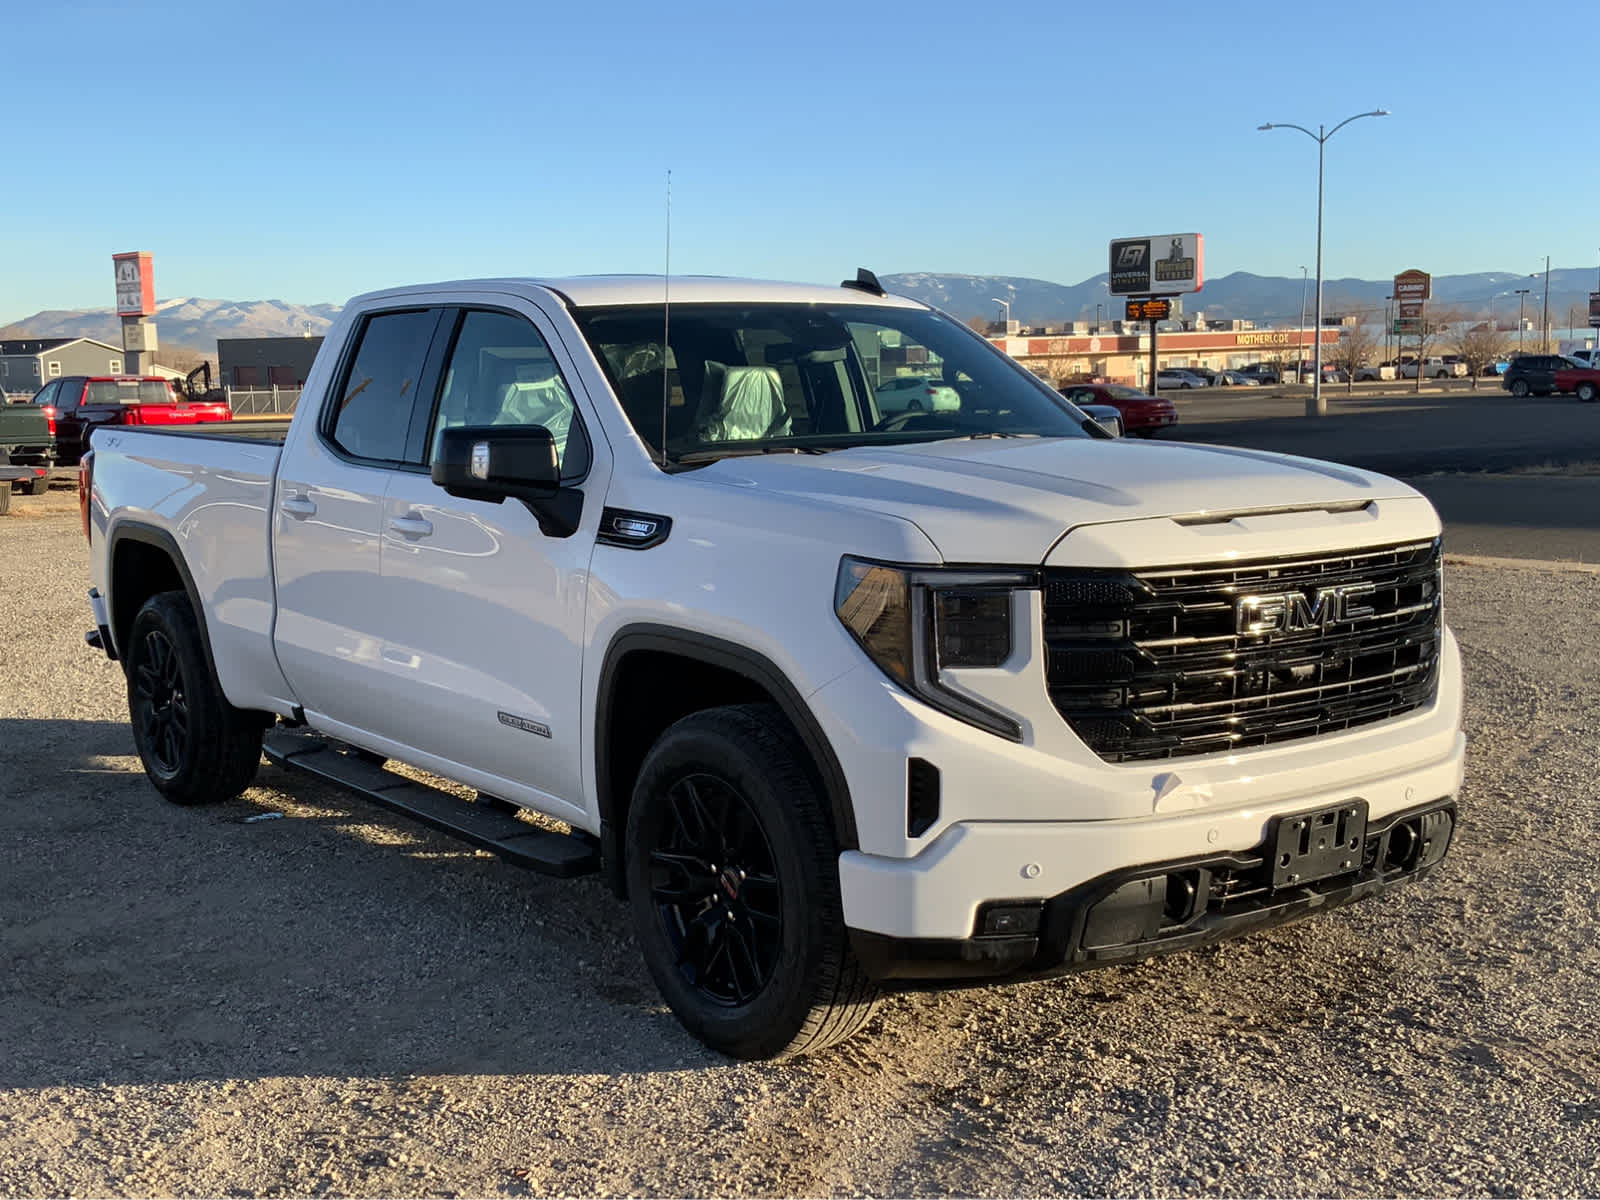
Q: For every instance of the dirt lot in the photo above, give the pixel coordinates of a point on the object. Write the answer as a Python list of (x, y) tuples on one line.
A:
[(340, 1002)]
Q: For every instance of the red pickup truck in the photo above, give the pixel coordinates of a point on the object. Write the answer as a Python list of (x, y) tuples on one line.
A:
[(1585, 381), (80, 404)]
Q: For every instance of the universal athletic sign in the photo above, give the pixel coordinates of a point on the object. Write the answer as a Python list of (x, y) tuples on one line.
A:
[(1163, 265)]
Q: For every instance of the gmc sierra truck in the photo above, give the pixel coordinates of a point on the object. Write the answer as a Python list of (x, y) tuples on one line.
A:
[(838, 699)]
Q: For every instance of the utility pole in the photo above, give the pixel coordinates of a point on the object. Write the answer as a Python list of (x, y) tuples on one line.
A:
[(1545, 349), (1300, 338)]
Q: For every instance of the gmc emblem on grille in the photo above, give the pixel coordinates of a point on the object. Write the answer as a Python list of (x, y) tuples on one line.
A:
[(1297, 612)]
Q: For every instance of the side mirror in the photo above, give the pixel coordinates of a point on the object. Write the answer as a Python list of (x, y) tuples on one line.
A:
[(491, 462), (1105, 416)]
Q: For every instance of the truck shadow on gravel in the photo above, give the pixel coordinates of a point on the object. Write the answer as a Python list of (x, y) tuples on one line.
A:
[(146, 943)]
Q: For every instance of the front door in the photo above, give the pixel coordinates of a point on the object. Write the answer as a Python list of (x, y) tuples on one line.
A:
[(484, 612)]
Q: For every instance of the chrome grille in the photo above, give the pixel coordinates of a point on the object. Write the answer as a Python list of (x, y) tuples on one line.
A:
[(1150, 664)]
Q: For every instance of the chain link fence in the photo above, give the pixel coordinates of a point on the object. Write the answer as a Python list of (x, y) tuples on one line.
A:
[(244, 401)]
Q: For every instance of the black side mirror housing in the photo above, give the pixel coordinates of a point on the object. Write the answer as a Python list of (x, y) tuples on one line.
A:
[(491, 462)]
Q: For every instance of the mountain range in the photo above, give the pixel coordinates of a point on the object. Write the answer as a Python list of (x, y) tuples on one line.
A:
[(197, 323), (1241, 295), (185, 321)]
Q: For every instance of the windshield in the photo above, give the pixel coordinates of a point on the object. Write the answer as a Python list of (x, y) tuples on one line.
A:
[(744, 379)]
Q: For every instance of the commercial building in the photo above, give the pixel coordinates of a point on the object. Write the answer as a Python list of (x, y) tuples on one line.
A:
[(27, 364), (1123, 354), (268, 362)]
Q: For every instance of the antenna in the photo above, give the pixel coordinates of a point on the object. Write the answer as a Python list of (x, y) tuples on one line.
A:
[(666, 325)]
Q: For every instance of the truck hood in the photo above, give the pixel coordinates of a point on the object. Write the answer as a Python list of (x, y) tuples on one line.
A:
[(1010, 500)]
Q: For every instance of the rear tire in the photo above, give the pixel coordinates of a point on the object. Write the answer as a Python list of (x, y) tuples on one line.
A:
[(39, 486), (196, 747), (1519, 388), (5, 499), (732, 870), (1587, 393)]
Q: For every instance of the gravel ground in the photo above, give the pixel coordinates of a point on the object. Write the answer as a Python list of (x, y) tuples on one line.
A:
[(340, 1002)]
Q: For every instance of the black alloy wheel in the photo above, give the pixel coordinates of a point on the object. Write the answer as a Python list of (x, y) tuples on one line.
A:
[(196, 747), (914, 405), (715, 887), (161, 710), (1519, 388), (731, 865)]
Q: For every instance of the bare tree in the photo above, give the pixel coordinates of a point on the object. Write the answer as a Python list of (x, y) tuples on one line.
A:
[(1353, 351), (180, 358), (979, 324), (1479, 345), (1437, 327)]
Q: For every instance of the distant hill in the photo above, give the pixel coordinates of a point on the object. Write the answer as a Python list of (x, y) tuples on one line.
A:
[(186, 321), (198, 323), (1241, 295)]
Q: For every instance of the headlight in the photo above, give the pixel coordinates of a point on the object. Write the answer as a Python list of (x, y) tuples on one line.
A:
[(916, 621)]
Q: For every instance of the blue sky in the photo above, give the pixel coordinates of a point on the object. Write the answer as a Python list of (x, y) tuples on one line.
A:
[(311, 151)]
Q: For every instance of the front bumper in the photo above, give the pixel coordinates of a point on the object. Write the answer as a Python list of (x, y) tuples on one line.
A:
[(1161, 908)]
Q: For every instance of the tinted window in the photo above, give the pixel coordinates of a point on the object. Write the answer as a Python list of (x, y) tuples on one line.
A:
[(67, 397), (128, 391), (47, 394), (501, 372), (372, 410)]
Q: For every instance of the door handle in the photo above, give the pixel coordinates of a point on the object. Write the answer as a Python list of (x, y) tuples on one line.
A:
[(300, 506), (411, 526)]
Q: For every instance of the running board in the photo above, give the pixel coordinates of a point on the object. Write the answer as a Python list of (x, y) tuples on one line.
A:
[(519, 843)]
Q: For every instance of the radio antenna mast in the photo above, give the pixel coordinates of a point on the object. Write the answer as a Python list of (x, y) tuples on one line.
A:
[(666, 325)]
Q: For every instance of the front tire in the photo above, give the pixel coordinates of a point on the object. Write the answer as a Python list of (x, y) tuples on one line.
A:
[(732, 876), (196, 747), (1519, 388), (1587, 393)]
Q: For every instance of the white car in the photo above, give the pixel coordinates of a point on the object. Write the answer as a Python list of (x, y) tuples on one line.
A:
[(1174, 378), (833, 701), (917, 393)]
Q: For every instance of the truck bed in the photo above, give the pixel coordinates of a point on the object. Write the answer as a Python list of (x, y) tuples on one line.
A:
[(272, 431), (207, 491)]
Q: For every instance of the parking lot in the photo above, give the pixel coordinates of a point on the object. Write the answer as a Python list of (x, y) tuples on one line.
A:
[(338, 1001)]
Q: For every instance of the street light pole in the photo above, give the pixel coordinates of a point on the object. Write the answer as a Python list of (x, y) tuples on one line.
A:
[(1522, 295), (1300, 341), (1316, 406), (1097, 308), (1005, 304)]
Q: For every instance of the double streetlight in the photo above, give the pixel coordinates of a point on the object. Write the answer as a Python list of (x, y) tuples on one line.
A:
[(1005, 304), (1316, 406)]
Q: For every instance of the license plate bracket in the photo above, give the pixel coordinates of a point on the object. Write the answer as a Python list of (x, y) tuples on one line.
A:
[(1308, 847)]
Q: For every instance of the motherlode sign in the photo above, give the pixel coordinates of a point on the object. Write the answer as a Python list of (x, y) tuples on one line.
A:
[(1594, 310), (1164, 265)]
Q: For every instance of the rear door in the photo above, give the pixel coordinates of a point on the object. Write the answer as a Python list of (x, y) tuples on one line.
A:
[(483, 613), (328, 519)]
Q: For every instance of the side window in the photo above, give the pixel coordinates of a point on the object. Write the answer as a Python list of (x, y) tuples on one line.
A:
[(48, 394), (372, 410), (501, 372), (67, 398)]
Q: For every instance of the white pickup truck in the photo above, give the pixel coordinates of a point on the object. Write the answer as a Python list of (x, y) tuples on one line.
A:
[(838, 699)]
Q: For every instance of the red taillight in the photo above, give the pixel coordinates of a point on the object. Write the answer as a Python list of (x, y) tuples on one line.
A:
[(85, 483), (50, 418)]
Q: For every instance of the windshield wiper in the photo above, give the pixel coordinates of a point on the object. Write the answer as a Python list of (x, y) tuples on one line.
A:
[(694, 456)]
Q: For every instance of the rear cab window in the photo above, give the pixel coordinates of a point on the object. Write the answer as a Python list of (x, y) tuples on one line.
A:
[(370, 411)]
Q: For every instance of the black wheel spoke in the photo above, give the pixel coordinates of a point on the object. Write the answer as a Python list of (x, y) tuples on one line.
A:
[(714, 882)]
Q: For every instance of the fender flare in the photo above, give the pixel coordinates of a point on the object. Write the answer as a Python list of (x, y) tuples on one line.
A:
[(740, 660), (151, 535)]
